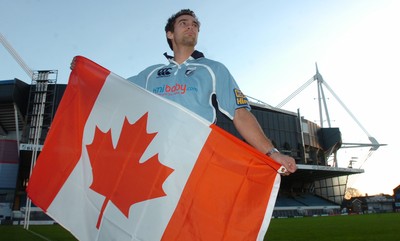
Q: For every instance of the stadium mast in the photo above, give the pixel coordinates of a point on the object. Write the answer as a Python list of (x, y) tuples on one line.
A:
[(323, 105)]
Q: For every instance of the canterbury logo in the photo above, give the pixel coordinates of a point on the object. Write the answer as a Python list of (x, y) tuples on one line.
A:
[(164, 72)]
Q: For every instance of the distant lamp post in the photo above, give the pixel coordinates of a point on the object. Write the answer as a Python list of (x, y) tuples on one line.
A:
[(352, 160)]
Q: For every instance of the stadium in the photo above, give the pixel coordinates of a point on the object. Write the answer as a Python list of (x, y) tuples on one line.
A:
[(317, 188)]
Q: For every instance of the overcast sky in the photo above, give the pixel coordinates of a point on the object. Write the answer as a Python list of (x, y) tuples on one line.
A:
[(270, 47)]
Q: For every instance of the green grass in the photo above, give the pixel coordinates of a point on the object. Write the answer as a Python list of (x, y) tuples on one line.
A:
[(379, 227), (370, 227), (35, 233)]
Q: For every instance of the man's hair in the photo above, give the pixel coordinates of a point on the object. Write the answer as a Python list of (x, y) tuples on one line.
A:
[(171, 22)]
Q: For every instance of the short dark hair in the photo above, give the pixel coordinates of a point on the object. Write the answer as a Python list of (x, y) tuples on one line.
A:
[(171, 22)]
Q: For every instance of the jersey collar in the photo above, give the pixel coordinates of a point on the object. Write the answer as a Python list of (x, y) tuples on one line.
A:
[(195, 55)]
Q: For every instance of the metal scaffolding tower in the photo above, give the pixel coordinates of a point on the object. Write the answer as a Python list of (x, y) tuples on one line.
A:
[(41, 107)]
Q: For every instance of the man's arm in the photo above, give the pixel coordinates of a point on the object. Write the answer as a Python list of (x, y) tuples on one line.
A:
[(249, 128)]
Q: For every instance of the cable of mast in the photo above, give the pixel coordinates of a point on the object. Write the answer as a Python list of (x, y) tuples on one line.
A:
[(15, 55), (345, 107), (296, 92)]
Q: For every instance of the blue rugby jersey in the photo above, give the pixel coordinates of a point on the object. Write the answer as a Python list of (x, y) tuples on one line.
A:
[(193, 83)]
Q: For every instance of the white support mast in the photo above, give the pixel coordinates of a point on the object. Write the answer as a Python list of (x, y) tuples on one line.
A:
[(323, 107)]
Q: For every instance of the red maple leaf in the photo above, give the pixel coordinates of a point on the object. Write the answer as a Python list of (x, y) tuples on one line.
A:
[(117, 173)]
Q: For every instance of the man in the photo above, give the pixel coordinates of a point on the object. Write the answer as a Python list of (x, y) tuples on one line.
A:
[(193, 81)]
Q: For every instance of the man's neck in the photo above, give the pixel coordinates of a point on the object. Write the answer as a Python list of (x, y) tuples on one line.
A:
[(182, 54)]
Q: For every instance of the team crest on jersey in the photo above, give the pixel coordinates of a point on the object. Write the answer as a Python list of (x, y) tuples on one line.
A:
[(241, 99), (190, 71), (164, 72)]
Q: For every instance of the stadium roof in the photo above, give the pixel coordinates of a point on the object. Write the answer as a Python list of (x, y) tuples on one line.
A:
[(315, 172)]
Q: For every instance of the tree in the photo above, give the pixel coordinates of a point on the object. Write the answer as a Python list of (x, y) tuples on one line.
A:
[(351, 192)]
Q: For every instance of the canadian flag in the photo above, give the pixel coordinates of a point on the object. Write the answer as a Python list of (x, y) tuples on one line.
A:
[(121, 163)]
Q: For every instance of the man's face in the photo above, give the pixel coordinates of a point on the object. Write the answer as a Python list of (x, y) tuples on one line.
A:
[(185, 33)]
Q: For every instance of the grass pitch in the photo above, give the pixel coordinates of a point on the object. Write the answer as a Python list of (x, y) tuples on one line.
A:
[(35, 233), (372, 227)]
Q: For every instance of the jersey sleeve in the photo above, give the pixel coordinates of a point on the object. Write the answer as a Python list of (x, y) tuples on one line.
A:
[(229, 96)]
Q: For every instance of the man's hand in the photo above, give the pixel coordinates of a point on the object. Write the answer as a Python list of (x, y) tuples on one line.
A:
[(72, 64), (287, 162)]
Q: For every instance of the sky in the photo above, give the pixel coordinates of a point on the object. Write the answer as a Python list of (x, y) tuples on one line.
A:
[(270, 47)]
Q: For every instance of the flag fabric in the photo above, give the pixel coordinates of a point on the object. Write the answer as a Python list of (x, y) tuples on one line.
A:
[(120, 163)]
